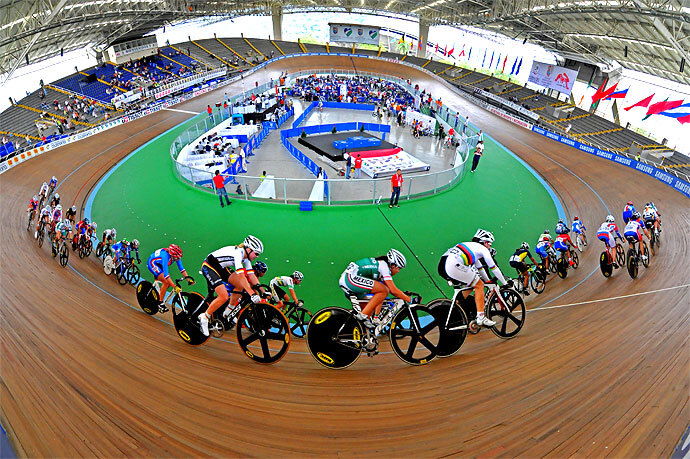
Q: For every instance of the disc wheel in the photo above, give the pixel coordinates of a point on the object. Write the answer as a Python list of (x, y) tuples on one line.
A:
[(415, 335), (509, 321), (632, 263), (185, 312), (537, 281), (453, 328), (604, 265), (562, 267), (63, 255), (299, 320), (263, 333), (147, 297), (108, 265), (334, 338)]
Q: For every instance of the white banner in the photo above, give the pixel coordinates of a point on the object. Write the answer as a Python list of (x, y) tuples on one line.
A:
[(506, 103), (354, 33), (553, 77)]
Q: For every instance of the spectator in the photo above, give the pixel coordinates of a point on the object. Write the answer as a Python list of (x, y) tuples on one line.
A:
[(239, 190), (568, 127), (358, 166), (479, 150), (348, 164), (209, 110), (219, 184), (396, 183), (464, 126)]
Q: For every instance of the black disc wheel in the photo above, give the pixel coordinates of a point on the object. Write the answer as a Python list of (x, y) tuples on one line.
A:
[(334, 337), (632, 263), (604, 265), (147, 297), (508, 313), (186, 308), (453, 324), (537, 280), (299, 320), (562, 267), (415, 335), (263, 333)]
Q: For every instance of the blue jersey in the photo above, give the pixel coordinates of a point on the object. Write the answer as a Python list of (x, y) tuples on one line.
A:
[(562, 229), (119, 247), (53, 182), (578, 226), (159, 261)]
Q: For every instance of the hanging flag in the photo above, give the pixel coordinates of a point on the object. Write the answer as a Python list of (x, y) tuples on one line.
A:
[(503, 70), (445, 47), (484, 58), (450, 53), (685, 119), (677, 115), (514, 64), (600, 90), (498, 61), (419, 43), (643, 103), (492, 59), (436, 47), (518, 67), (603, 95), (663, 106), (617, 95), (469, 55)]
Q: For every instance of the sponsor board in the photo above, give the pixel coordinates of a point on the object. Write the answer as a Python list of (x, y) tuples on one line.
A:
[(509, 117)]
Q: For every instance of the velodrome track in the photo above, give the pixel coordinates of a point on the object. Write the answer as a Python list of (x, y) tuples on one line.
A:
[(85, 372)]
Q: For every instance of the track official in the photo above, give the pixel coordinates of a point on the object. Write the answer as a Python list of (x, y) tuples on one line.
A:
[(396, 183)]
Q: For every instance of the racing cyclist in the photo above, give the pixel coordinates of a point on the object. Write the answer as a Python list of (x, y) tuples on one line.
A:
[(461, 265), (33, 206), (56, 216), (373, 275), (43, 216), (279, 284), (543, 248), (634, 231), (517, 261), (43, 192), (606, 234), (80, 230), (651, 215), (63, 230), (233, 265), (109, 235), (158, 264), (55, 200), (628, 210), (52, 184), (563, 241), (71, 214), (579, 228)]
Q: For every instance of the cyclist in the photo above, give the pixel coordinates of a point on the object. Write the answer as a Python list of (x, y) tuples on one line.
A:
[(63, 230), (462, 265), (43, 192), (281, 283), (231, 264), (628, 210), (563, 241), (134, 246), (260, 269), (579, 228), (543, 248), (120, 248), (605, 234), (80, 230), (55, 200), (33, 205), (56, 216), (517, 261), (157, 265), (109, 235), (52, 184), (634, 230), (651, 215), (44, 216), (373, 275)]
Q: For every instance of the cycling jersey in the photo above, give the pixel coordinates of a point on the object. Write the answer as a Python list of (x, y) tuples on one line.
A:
[(45, 212), (633, 230), (120, 247), (650, 214), (81, 227), (605, 233), (57, 215), (628, 210), (520, 255), (278, 286), (159, 261), (44, 189), (359, 276), (33, 205), (562, 241), (578, 227), (70, 213), (231, 258), (562, 229), (63, 227), (472, 254), (53, 182), (542, 249), (544, 237)]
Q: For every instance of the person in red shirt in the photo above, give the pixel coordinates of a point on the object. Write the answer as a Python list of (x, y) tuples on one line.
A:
[(209, 110), (396, 183), (358, 166), (219, 185)]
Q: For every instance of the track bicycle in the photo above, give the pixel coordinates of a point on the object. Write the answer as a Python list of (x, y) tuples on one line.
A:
[(40, 234), (562, 265), (32, 214), (580, 241), (458, 316), (298, 318), (60, 250), (124, 268), (654, 239), (537, 279), (102, 249), (606, 264), (336, 337), (634, 258)]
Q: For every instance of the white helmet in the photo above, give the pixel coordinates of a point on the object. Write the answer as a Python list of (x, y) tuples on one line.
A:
[(54, 178), (135, 242), (396, 258), (94, 225), (525, 246), (35, 197), (610, 219), (253, 243), (73, 208), (114, 232), (298, 276), (57, 196), (58, 207), (45, 184), (484, 236)]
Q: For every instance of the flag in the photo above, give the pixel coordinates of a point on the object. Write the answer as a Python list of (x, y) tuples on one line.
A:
[(659, 107), (445, 48), (419, 43), (599, 91), (684, 119), (617, 95), (603, 95), (450, 53), (491, 61), (469, 55), (436, 47), (484, 58), (498, 61), (503, 70), (514, 64), (518, 68), (643, 103), (676, 115)]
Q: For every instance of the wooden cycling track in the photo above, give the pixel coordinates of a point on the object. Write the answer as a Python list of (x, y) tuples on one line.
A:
[(83, 374)]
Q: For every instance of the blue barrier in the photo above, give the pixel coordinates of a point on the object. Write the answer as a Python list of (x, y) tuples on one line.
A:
[(672, 181)]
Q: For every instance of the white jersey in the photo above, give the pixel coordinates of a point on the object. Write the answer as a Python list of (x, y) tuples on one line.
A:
[(472, 254), (633, 226), (607, 227), (650, 213), (44, 188), (282, 281), (46, 211), (232, 257), (108, 233)]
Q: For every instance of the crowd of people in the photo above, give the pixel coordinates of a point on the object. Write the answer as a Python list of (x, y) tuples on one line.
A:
[(359, 89)]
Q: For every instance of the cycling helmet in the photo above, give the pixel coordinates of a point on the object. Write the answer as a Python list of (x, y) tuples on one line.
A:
[(135, 243), (45, 184), (35, 198), (114, 232), (484, 236), (636, 215), (576, 218), (525, 246), (253, 243), (298, 276), (630, 203), (175, 251), (560, 220), (94, 225), (547, 231), (73, 208), (544, 237), (124, 241), (54, 178), (58, 207), (396, 258), (57, 196), (260, 268), (610, 219), (649, 204)]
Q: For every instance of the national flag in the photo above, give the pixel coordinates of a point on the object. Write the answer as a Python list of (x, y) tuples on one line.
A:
[(498, 61), (469, 55), (518, 67), (617, 95), (445, 48), (484, 58), (603, 94), (504, 64), (684, 119), (659, 107), (491, 61), (677, 115), (512, 70), (450, 53), (436, 47), (643, 103)]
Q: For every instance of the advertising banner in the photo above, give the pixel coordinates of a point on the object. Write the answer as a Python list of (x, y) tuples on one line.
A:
[(553, 77), (354, 33)]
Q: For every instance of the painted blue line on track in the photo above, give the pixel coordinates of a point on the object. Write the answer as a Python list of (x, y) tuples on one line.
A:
[(6, 450)]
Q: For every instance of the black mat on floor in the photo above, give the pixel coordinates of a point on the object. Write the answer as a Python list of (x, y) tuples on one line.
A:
[(323, 144)]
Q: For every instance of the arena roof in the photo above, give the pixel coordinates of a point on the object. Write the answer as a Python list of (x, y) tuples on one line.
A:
[(656, 32)]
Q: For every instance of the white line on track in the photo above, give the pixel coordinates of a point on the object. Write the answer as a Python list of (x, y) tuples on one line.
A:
[(181, 111), (609, 299)]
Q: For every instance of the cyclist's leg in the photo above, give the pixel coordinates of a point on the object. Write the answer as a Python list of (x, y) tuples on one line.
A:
[(380, 292), (215, 281)]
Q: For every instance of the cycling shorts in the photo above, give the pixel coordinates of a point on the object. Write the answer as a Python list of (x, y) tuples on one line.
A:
[(521, 266), (154, 268), (455, 271), (626, 216), (541, 251), (278, 293), (352, 284), (214, 273), (560, 246), (578, 230), (633, 236), (606, 237)]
